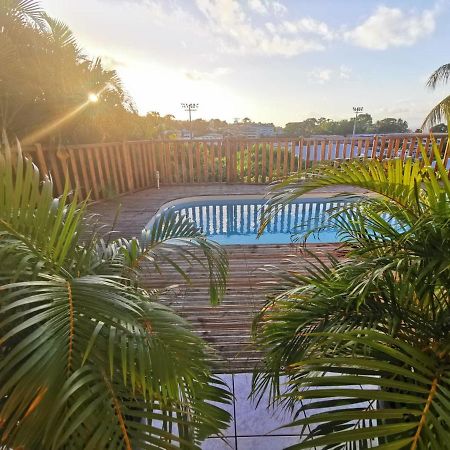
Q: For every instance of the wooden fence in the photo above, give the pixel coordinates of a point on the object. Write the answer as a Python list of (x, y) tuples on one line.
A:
[(107, 169)]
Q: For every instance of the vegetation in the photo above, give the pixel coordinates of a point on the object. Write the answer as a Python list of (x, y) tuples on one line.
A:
[(89, 359), (441, 111), (364, 342), (364, 125)]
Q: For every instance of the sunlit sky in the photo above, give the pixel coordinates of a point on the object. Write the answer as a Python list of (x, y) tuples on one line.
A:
[(270, 60)]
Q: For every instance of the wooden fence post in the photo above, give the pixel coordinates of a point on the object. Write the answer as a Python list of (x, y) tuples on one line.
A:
[(41, 159)]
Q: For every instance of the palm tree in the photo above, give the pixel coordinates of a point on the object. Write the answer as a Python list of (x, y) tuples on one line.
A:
[(441, 110), (44, 76), (364, 342), (89, 359)]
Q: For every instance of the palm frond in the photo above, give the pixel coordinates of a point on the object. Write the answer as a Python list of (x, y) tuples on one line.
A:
[(440, 75), (440, 113), (374, 390)]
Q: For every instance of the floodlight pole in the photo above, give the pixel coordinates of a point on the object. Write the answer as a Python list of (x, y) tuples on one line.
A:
[(190, 107), (357, 110)]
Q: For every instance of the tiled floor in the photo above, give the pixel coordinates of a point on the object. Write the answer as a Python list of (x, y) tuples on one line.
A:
[(254, 427)]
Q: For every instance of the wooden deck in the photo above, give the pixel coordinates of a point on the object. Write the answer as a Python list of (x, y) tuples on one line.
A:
[(226, 327)]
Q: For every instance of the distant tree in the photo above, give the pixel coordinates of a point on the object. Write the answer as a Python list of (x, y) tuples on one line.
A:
[(390, 125), (246, 120), (44, 77)]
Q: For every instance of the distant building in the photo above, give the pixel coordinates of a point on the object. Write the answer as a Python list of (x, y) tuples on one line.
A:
[(252, 130), (210, 137)]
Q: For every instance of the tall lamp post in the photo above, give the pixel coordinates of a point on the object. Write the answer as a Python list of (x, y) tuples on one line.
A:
[(357, 110), (190, 107)]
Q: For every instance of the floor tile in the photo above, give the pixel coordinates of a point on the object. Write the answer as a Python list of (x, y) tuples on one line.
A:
[(266, 442), (253, 419), (219, 444), (228, 380)]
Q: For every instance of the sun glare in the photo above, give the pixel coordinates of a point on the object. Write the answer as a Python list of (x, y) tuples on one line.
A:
[(93, 98)]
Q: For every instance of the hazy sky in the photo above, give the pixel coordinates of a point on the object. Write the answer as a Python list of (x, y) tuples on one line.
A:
[(272, 61)]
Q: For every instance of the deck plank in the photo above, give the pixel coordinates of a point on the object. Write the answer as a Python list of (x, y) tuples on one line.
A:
[(226, 327)]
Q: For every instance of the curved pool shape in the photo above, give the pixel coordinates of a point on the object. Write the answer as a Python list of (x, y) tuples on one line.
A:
[(235, 219)]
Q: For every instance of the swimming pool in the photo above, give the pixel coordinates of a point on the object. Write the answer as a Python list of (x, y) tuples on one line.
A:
[(235, 219)]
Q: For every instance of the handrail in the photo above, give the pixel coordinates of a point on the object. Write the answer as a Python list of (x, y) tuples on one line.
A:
[(106, 169)]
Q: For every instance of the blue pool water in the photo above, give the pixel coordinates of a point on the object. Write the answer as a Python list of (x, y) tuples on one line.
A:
[(236, 219)]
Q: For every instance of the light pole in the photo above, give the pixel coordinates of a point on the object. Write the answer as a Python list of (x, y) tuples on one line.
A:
[(190, 107), (357, 110)]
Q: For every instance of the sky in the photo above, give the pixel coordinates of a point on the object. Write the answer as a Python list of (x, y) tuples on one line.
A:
[(270, 60)]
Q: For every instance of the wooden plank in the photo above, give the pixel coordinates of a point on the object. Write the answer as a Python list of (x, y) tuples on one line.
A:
[(212, 162), (390, 145), (278, 159), (117, 162), (181, 150), (93, 175), (263, 162), (292, 156), (74, 167), (271, 156), (285, 159), (315, 151), (86, 183), (190, 155), (256, 163), (323, 149), (42, 164), (382, 147), (145, 164), (249, 163), (198, 162), (205, 161), (110, 184), (241, 161), (358, 151), (300, 155), (307, 156), (220, 161), (404, 146), (98, 160)]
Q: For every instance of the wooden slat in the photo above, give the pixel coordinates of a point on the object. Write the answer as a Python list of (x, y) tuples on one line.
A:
[(256, 163), (181, 152), (278, 159), (263, 161), (74, 167), (84, 164), (212, 162), (285, 159), (307, 154), (92, 173), (190, 155), (98, 159), (205, 151), (300, 155), (323, 148), (41, 159), (198, 163), (292, 168), (249, 163), (219, 162), (271, 156)]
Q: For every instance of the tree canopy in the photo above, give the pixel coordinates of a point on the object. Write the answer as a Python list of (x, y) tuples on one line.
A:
[(364, 125)]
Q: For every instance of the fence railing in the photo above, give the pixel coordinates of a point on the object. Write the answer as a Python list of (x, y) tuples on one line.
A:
[(107, 169)]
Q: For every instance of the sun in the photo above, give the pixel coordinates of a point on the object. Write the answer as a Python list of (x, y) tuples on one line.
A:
[(92, 97)]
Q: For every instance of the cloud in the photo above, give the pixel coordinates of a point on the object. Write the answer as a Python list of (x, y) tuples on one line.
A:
[(324, 75), (267, 6), (229, 20), (197, 75), (345, 72), (320, 76), (310, 26), (392, 27)]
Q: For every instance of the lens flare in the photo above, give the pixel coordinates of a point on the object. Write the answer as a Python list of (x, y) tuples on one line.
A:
[(92, 97)]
